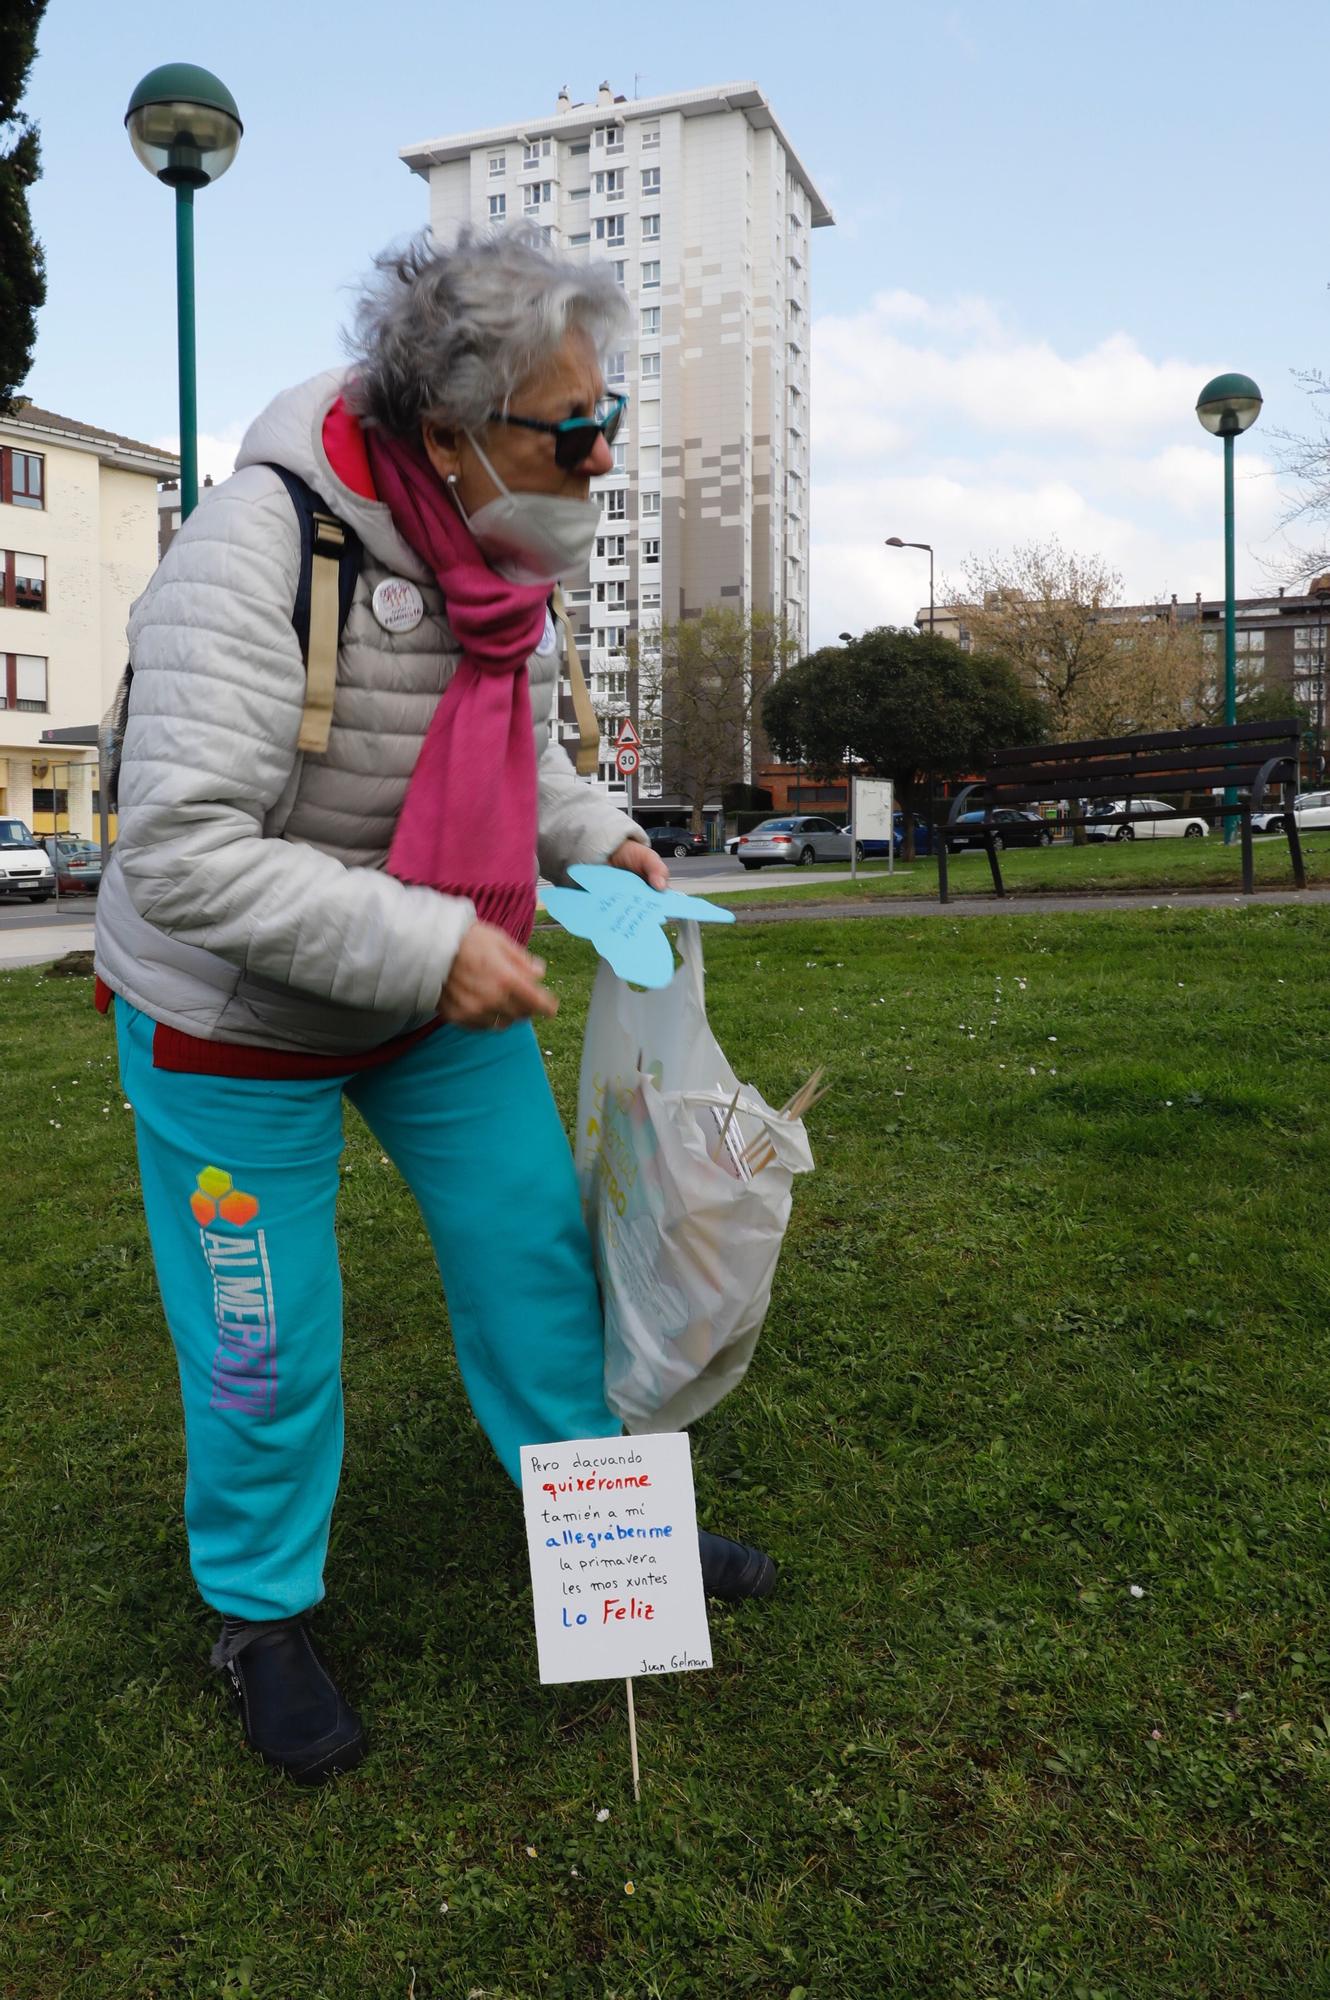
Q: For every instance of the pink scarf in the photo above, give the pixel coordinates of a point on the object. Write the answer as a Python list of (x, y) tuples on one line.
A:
[(468, 823)]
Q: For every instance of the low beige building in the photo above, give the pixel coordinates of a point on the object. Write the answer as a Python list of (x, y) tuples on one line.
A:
[(78, 507)]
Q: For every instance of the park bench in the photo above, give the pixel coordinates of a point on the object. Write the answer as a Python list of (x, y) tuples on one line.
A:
[(1249, 758)]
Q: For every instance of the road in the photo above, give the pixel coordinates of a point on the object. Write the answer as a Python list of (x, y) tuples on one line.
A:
[(34, 933)]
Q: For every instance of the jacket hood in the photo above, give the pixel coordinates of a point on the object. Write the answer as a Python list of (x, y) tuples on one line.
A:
[(290, 433)]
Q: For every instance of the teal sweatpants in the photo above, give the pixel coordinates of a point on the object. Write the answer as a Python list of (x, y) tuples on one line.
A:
[(240, 1184)]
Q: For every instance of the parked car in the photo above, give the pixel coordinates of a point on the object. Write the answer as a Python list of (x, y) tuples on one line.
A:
[(1167, 824), (78, 864), (872, 849), (25, 866), (1010, 829), (1310, 809), (678, 841), (800, 838)]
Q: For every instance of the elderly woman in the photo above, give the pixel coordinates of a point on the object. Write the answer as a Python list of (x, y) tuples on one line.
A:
[(281, 929)]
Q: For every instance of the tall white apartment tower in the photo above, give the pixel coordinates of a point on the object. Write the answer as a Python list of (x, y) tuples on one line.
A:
[(704, 210)]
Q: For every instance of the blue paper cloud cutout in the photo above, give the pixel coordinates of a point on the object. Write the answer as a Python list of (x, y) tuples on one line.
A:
[(617, 913)]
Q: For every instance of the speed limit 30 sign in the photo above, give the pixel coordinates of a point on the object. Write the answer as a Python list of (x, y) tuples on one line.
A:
[(627, 760)]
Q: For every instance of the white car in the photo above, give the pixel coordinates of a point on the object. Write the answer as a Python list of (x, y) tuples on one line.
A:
[(1309, 809), (1168, 824), (25, 866)]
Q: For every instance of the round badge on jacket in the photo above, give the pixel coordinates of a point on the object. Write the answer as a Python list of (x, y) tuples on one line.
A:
[(397, 604)]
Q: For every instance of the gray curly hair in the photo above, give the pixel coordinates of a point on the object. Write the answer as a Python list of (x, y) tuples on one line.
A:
[(449, 334)]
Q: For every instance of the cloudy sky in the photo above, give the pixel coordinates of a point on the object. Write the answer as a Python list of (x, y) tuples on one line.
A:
[(1054, 221)]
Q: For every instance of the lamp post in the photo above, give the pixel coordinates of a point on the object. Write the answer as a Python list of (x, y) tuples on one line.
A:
[(184, 126), (1226, 407), (895, 542)]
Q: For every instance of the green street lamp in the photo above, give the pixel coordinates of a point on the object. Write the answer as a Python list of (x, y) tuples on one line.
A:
[(184, 126), (1227, 406)]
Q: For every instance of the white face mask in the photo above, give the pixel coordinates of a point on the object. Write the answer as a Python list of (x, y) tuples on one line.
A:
[(532, 537)]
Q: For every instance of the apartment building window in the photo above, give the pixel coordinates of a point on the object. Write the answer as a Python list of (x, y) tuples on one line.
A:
[(650, 367), (650, 599), (533, 154), (616, 638), (648, 415), (651, 135), (651, 276), (616, 505), (616, 366), (582, 241), (651, 554), (609, 138), (24, 682), (614, 595), (619, 272), (609, 228), (610, 184), (538, 192), (498, 164), (650, 505), (579, 194), (22, 478), (651, 229), (612, 548), (498, 207), (650, 180), (23, 586), (650, 320)]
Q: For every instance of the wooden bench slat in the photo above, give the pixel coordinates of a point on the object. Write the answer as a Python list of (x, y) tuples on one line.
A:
[(1286, 729), (1140, 771), (1218, 780)]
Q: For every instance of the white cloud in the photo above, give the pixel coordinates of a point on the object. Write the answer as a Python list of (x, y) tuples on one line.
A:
[(217, 455), (939, 423)]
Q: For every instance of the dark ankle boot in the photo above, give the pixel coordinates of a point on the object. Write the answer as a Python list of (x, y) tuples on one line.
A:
[(733, 1571), (293, 1714)]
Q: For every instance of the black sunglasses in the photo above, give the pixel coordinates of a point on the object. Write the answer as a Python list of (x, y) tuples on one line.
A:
[(575, 438)]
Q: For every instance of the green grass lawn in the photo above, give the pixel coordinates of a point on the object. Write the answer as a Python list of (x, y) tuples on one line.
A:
[(1038, 1430), (1067, 870)]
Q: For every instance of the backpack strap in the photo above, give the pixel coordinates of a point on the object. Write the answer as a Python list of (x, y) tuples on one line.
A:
[(588, 728), (330, 556)]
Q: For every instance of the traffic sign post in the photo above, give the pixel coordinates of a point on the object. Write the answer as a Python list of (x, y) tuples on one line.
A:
[(627, 760), (628, 745)]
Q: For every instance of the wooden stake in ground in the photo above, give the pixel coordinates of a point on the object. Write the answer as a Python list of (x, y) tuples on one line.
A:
[(632, 1743)]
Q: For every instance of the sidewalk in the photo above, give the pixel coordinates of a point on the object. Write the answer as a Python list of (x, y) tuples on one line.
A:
[(1029, 906), (42, 943)]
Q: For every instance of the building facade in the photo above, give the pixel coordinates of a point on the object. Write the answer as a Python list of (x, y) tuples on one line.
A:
[(704, 211), (1280, 646), (78, 507)]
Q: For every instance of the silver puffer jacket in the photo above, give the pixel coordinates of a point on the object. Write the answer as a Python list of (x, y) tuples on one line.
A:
[(246, 899)]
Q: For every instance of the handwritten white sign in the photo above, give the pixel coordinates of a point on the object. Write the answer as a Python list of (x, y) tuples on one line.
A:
[(611, 1528)]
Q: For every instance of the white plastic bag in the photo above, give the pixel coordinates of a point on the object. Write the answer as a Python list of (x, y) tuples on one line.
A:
[(685, 1245)]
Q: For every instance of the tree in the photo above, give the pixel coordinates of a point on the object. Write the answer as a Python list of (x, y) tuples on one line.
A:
[(22, 266), (700, 685), (1053, 615), (1306, 461), (910, 706)]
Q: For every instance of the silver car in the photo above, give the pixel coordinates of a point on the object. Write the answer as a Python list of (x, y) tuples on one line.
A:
[(1310, 809), (798, 839)]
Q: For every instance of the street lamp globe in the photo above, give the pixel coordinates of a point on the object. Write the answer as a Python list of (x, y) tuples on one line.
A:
[(1229, 405), (183, 124)]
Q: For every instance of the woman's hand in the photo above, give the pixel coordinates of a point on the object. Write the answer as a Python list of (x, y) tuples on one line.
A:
[(493, 982), (639, 859)]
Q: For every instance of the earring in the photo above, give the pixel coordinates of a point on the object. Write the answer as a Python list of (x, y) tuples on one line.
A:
[(451, 480)]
